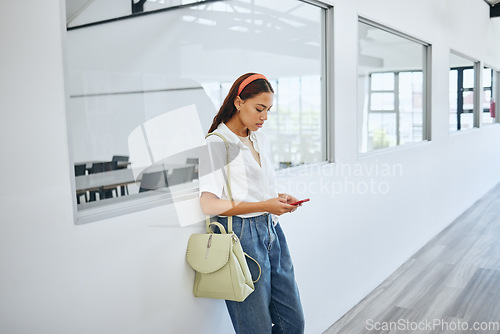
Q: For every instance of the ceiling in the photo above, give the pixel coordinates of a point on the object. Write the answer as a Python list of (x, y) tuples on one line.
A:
[(75, 7), (494, 7), (492, 2)]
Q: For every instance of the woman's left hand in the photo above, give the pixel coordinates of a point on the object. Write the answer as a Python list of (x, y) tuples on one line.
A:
[(289, 200)]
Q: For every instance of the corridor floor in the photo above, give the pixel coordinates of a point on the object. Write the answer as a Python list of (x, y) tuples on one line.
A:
[(452, 285)]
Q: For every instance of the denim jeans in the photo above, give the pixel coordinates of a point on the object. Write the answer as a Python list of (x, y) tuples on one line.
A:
[(274, 306)]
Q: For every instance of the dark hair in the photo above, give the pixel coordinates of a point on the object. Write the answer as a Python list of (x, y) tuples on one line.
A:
[(228, 109)]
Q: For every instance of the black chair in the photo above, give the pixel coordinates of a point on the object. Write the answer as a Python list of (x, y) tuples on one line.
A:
[(195, 162), (101, 167), (153, 181), (115, 160), (181, 175), (79, 171), (119, 158), (97, 167)]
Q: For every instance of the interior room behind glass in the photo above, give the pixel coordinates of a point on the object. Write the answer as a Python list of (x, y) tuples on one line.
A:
[(392, 102), (144, 87)]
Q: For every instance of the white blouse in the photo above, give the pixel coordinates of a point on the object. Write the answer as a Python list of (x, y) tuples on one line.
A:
[(249, 181)]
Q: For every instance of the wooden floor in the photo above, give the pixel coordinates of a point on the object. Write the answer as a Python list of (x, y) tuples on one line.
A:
[(448, 286)]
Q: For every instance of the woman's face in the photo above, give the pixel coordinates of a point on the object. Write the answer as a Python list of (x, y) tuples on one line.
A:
[(253, 111)]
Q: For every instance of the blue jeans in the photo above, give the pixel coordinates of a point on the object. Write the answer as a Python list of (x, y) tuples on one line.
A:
[(276, 297)]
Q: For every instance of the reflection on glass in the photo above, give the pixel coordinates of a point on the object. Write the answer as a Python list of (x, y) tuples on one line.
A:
[(91, 11), (488, 112), (410, 106), (383, 129), (462, 86), (453, 91), (468, 78), (294, 124), (391, 88), (153, 99), (453, 95), (487, 77), (468, 103), (487, 99), (382, 81), (382, 101)]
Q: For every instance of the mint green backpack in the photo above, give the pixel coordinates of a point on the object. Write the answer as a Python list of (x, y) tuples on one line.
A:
[(221, 269)]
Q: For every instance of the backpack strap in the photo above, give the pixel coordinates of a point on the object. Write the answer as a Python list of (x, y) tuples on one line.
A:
[(228, 183)]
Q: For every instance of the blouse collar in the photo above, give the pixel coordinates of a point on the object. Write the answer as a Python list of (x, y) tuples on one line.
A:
[(233, 138)]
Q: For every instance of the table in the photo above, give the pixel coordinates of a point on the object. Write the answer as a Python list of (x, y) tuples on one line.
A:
[(88, 163), (116, 178), (104, 180)]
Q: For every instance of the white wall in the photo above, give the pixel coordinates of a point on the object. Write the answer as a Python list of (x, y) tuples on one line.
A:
[(128, 275)]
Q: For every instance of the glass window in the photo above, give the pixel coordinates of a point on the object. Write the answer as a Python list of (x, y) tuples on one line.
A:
[(462, 93), (382, 101), (295, 130), (488, 112), (144, 91), (382, 81), (86, 12), (392, 70)]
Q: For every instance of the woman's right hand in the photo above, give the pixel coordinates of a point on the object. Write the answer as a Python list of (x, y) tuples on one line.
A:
[(278, 206)]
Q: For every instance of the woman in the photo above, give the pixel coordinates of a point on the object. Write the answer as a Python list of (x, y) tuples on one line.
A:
[(274, 306)]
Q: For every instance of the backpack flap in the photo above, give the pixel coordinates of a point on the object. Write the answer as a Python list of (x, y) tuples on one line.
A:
[(207, 253)]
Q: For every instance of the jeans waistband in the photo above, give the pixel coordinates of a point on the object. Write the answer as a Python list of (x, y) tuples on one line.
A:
[(264, 218)]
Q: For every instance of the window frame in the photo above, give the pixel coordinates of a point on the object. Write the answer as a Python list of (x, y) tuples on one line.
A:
[(426, 89), (496, 77), (476, 114), (163, 199), (396, 109), (495, 92), (133, 14)]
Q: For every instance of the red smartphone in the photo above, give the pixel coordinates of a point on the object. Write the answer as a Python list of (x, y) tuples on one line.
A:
[(300, 202)]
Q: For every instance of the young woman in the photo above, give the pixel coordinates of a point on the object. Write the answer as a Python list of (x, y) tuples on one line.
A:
[(274, 306)]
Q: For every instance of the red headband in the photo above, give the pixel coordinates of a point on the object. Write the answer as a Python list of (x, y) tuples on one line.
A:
[(248, 80)]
